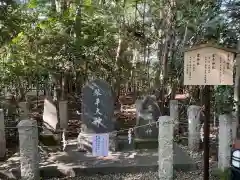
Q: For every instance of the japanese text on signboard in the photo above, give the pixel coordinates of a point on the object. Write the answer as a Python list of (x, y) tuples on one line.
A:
[(208, 66)]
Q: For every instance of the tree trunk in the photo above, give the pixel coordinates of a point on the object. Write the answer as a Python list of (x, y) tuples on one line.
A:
[(118, 55), (167, 13)]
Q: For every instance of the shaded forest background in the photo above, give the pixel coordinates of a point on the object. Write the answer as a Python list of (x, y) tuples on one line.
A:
[(136, 45)]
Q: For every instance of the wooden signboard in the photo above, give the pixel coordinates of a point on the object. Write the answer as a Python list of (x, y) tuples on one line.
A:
[(208, 65)]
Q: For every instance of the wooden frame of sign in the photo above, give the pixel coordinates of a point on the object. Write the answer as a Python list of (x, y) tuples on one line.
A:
[(208, 64)]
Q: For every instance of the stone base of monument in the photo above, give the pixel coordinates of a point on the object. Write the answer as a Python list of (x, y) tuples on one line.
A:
[(2, 148), (48, 138), (123, 143), (74, 164), (136, 143), (85, 142), (146, 143)]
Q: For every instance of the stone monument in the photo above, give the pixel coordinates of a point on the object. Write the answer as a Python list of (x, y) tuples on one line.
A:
[(49, 136), (97, 114), (148, 113)]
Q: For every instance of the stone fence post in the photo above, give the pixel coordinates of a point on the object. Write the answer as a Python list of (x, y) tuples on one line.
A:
[(225, 141), (174, 113), (234, 125), (63, 118), (28, 144), (63, 114), (165, 148), (194, 115), (2, 135)]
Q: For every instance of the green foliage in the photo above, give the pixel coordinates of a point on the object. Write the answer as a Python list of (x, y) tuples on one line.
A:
[(224, 99), (224, 175), (82, 37)]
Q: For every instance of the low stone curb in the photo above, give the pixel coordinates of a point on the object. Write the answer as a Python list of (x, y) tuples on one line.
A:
[(66, 171)]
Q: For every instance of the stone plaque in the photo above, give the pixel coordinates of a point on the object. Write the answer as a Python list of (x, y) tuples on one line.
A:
[(50, 117)]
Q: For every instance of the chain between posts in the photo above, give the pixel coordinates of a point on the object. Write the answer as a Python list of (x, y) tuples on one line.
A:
[(122, 130)]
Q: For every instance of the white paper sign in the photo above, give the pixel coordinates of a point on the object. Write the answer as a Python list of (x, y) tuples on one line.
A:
[(100, 144)]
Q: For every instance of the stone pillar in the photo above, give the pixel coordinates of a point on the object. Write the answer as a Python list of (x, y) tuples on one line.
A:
[(63, 117), (28, 144), (63, 114), (225, 141), (2, 135), (165, 148), (234, 125), (174, 114), (193, 127), (237, 82)]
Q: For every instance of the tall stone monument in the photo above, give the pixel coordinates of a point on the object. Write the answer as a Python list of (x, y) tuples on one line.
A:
[(97, 113)]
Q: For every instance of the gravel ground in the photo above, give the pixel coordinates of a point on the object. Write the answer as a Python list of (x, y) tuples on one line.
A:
[(190, 175), (196, 175)]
